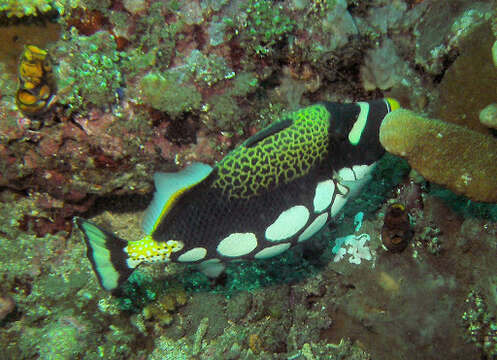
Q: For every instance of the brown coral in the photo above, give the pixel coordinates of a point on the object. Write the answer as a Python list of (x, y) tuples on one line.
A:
[(162, 310), (7, 305), (87, 22), (463, 160), (255, 343), (469, 84)]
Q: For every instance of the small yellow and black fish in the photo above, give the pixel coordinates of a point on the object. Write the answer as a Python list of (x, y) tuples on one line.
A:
[(36, 86), (275, 190)]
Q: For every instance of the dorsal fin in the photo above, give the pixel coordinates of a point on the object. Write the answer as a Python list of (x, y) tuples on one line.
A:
[(268, 131), (168, 189)]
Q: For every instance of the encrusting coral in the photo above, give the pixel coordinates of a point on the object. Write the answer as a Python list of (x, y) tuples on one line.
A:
[(488, 116), (163, 308), (17, 8), (468, 85), (463, 160)]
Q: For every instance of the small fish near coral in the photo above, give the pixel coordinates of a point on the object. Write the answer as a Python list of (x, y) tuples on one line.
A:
[(36, 86), (274, 191)]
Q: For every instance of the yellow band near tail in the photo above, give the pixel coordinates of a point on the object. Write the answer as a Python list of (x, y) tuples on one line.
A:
[(149, 250)]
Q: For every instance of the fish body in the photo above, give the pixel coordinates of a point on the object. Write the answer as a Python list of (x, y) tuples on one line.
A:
[(274, 191)]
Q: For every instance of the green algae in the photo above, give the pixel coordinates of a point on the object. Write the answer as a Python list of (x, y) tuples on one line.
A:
[(208, 69), (136, 61), (170, 92), (7, 84), (91, 75), (244, 83), (480, 323), (226, 112), (22, 8), (260, 26), (225, 109), (238, 306), (152, 34), (60, 343), (167, 349)]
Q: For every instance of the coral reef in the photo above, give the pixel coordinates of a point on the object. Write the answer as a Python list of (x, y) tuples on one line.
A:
[(356, 247), (88, 73), (260, 25), (382, 68), (488, 116), (438, 39), (170, 92), (447, 154), (17, 8), (7, 305), (458, 82), (161, 310), (481, 323), (146, 86)]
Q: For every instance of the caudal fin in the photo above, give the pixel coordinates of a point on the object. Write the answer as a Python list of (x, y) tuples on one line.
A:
[(107, 254)]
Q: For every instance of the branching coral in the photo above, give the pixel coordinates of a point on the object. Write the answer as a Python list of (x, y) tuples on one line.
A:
[(355, 246)]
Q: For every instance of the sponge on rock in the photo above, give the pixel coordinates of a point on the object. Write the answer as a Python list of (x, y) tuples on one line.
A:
[(463, 160)]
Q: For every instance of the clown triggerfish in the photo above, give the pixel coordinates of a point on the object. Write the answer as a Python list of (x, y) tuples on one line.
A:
[(274, 191)]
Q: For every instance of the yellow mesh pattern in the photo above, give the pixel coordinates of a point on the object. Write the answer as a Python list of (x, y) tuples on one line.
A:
[(277, 159)]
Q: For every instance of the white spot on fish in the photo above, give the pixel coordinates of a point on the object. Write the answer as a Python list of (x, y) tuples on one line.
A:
[(338, 204), (194, 254), (323, 195), (362, 170), (315, 226), (272, 251), (288, 223), (237, 244), (346, 174)]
